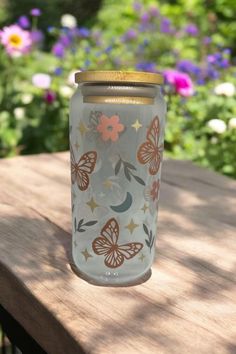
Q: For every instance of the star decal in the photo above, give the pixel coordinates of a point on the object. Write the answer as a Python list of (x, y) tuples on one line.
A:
[(144, 208), (131, 226), (107, 183), (86, 254), (141, 257), (92, 204), (137, 125), (82, 128)]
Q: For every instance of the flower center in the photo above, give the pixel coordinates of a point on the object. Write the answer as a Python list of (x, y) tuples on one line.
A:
[(15, 40), (110, 128)]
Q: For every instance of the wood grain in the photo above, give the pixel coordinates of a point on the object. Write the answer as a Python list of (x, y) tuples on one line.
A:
[(187, 306)]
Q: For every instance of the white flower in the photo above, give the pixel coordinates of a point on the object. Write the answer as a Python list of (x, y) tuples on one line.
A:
[(19, 112), (26, 98), (232, 123), (66, 91), (226, 88), (214, 140), (41, 80), (68, 20), (71, 77), (217, 125)]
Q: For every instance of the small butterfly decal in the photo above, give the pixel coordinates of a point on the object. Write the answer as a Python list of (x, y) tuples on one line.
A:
[(150, 152), (106, 245), (80, 170)]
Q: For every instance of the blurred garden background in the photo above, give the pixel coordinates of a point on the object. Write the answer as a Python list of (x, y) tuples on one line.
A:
[(42, 44)]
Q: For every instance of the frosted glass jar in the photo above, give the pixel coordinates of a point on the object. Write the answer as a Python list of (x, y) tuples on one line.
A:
[(116, 140)]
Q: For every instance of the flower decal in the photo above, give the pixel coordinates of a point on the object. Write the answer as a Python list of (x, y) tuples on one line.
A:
[(110, 127), (155, 190)]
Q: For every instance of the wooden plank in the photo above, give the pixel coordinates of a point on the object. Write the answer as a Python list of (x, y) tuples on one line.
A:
[(188, 305)]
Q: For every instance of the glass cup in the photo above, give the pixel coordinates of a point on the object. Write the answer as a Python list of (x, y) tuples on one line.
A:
[(116, 141)]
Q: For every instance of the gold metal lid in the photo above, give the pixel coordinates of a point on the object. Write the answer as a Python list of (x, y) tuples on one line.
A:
[(119, 77)]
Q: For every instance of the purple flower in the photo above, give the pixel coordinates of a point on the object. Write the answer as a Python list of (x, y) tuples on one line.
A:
[(51, 29), (35, 12), (212, 73), (87, 49), (153, 11), (165, 26), (227, 51), (108, 49), (37, 36), (137, 6), (200, 81), (191, 29), (83, 32), (218, 60), (145, 18), (187, 66), (224, 63), (129, 35), (206, 40), (65, 41), (146, 66), (49, 96), (58, 71), (23, 22), (58, 50), (87, 63)]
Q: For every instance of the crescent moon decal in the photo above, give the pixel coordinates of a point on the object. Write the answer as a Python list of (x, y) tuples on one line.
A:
[(123, 206)]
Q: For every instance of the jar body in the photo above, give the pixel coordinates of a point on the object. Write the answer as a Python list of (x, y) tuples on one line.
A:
[(116, 155)]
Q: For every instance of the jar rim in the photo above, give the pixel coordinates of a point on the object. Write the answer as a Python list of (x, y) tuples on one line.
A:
[(119, 76)]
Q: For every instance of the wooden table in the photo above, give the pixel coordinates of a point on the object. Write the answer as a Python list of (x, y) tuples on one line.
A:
[(187, 306)]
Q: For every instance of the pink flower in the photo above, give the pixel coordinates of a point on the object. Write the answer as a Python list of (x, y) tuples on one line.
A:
[(155, 190), (49, 97), (110, 127), (16, 40), (181, 82)]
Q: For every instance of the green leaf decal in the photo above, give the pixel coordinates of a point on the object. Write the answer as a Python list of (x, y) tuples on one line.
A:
[(127, 174), (139, 180), (118, 166), (90, 223), (129, 166), (145, 229)]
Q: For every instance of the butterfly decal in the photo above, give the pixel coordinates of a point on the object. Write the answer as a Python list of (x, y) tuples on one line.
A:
[(81, 170), (106, 245), (150, 152)]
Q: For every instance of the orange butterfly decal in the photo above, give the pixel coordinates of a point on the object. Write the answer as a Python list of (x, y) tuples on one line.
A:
[(106, 245), (80, 170), (149, 152)]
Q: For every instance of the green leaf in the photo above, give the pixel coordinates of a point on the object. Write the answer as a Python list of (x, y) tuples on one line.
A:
[(81, 230), (129, 166), (139, 180), (147, 243), (146, 229), (90, 223), (117, 167), (127, 174), (80, 224)]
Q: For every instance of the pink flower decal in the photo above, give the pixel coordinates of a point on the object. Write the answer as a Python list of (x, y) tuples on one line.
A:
[(15, 40), (182, 82), (155, 190), (110, 127)]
